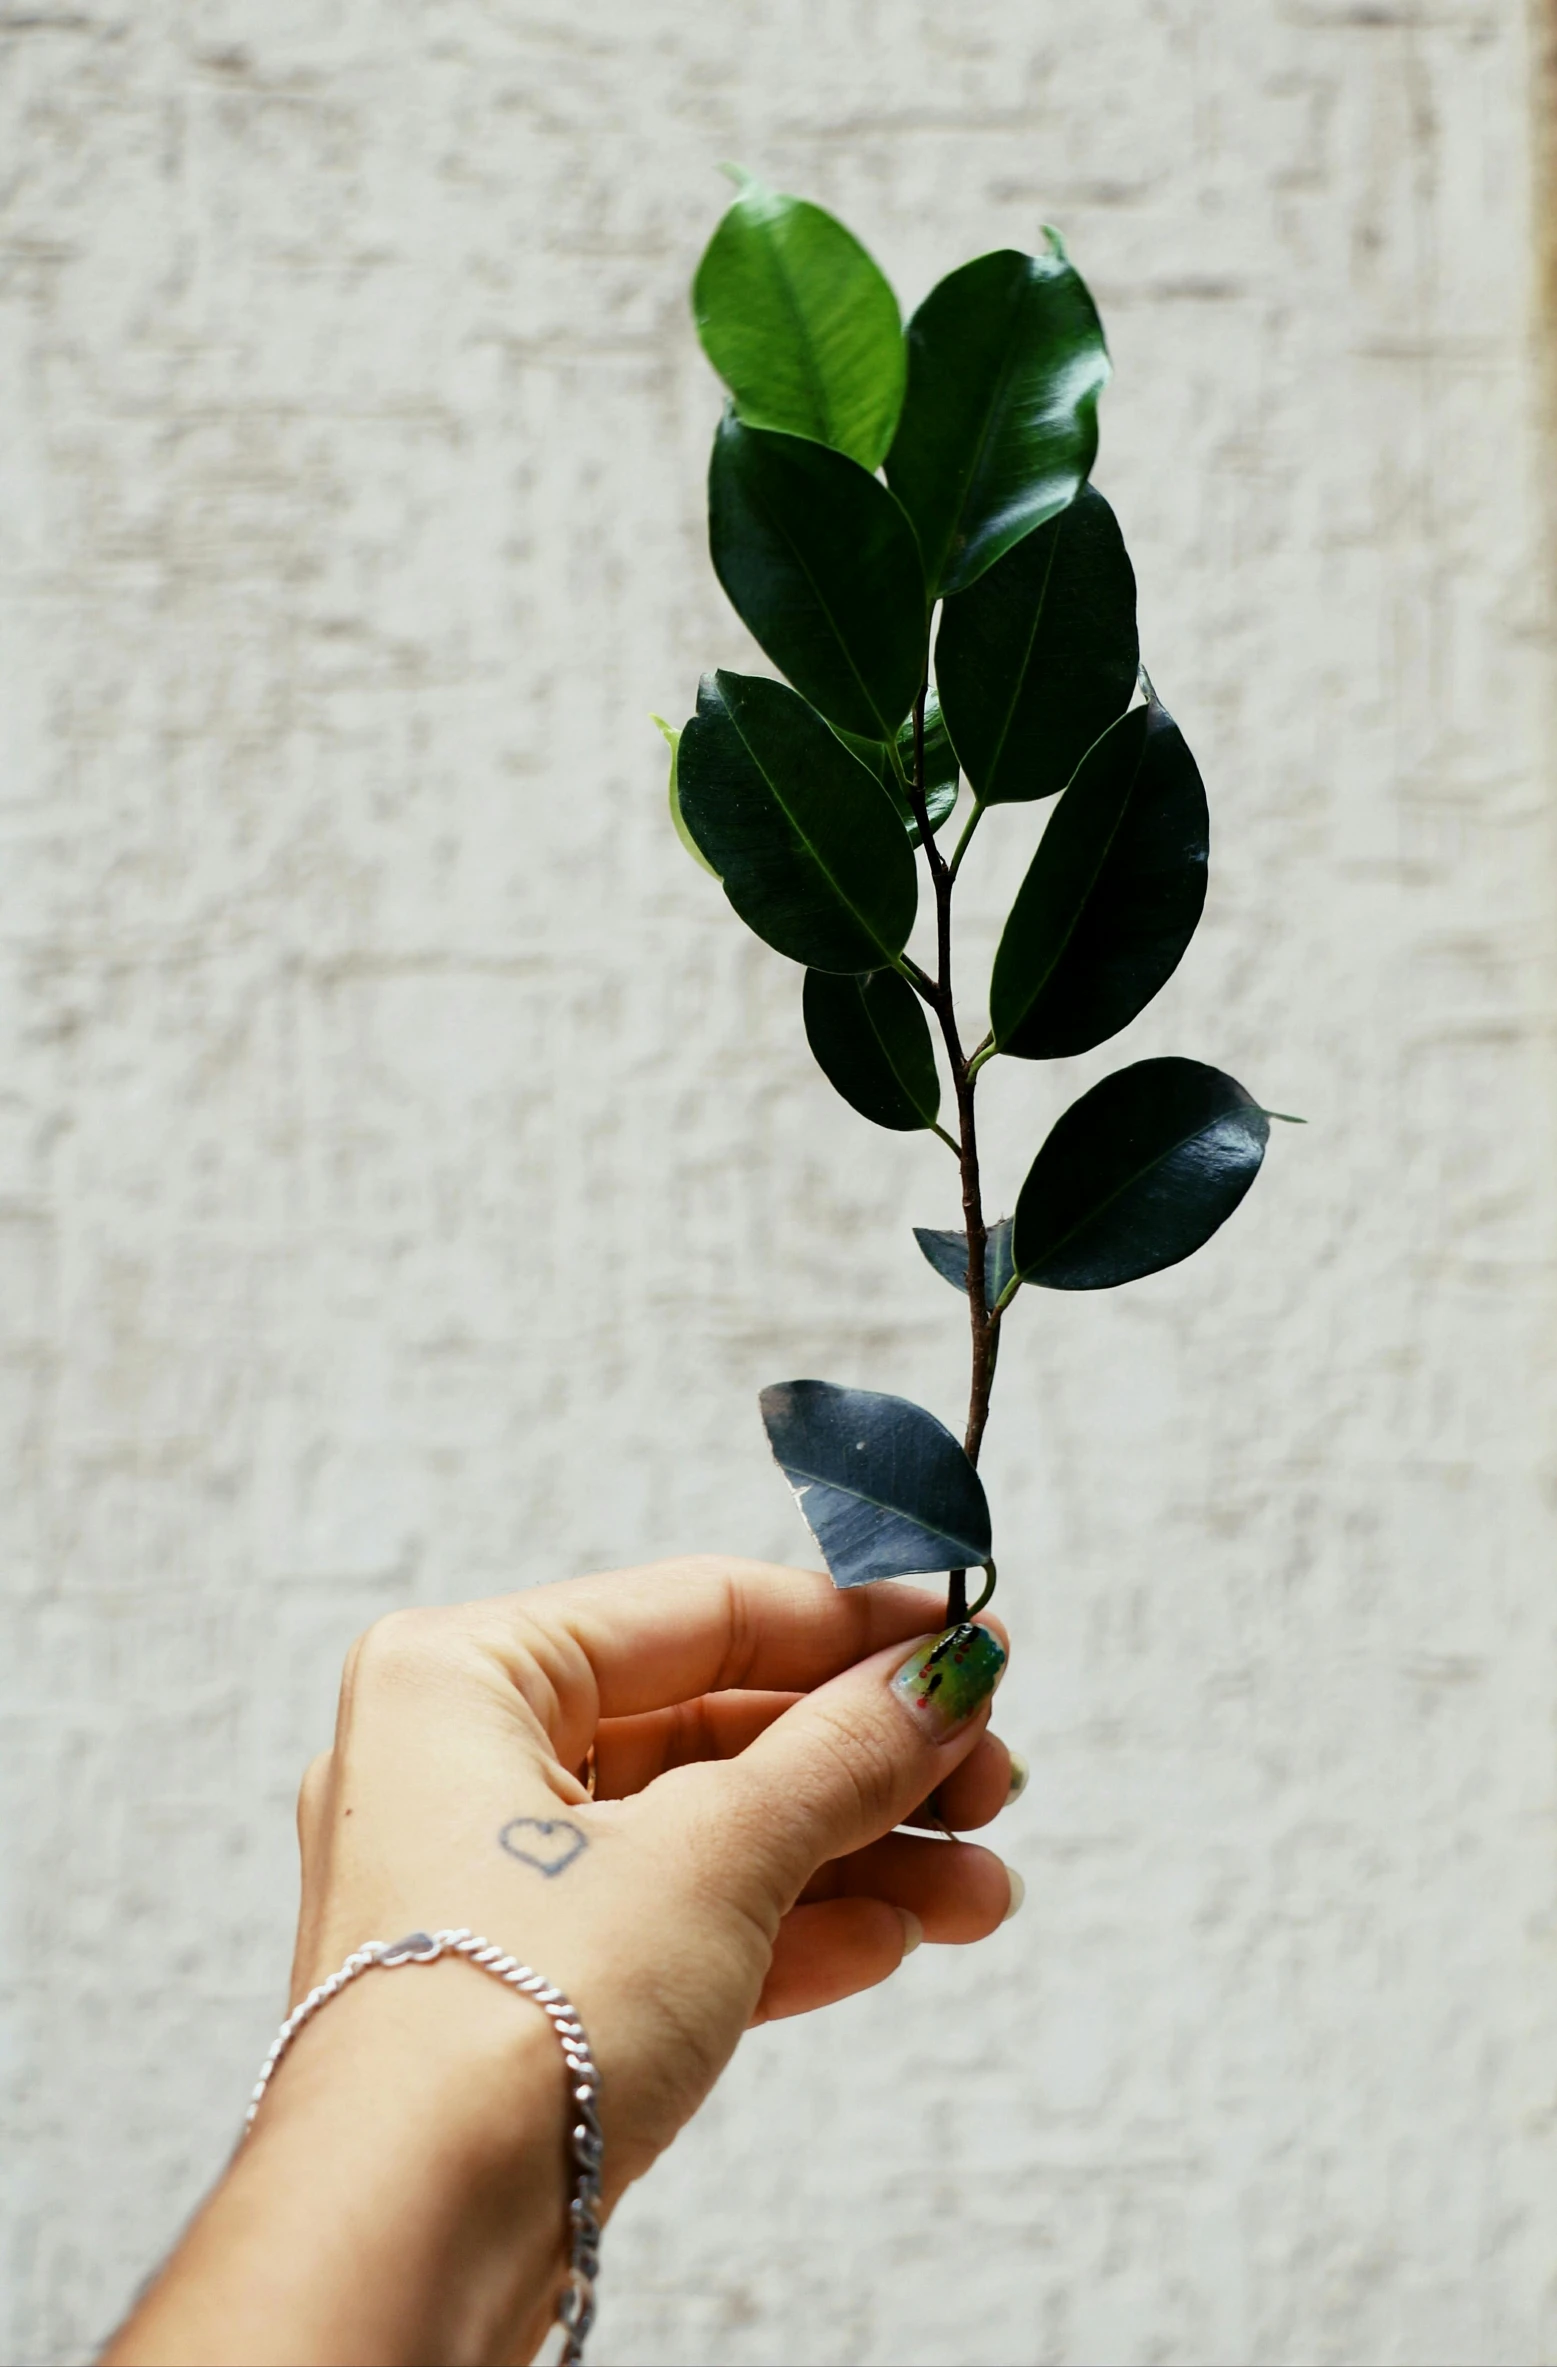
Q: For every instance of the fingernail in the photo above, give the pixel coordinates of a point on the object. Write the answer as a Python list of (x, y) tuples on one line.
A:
[(949, 1678), (1018, 1893), (1020, 1771), (913, 1931)]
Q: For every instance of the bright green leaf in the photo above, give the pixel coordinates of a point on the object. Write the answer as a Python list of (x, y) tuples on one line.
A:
[(884, 1488), (801, 325), (1138, 1174), (1111, 898), (822, 568), (1006, 362), (673, 742), (872, 1042), (805, 842), (1040, 655)]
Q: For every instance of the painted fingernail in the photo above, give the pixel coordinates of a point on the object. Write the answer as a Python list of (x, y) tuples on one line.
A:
[(1018, 1893), (913, 1931), (950, 1678), (1020, 1771)]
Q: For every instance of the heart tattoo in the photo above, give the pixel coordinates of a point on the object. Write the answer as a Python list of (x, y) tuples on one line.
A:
[(548, 1843)]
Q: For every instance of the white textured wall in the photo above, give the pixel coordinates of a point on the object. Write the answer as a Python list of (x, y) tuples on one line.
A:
[(409, 1170)]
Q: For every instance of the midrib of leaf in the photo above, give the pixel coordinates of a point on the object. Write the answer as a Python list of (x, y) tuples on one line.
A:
[(1130, 1181), (779, 527), (997, 394), (820, 403), (1085, 898), (910, 1095), (819, 1479), (1005, 728), (807, 841)]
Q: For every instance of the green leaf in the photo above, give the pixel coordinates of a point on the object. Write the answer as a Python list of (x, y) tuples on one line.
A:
[(948, 1254), (940, 767), (1040, 655), (885, 1489), (872, 1042), (801, 325), (673, 742), (822, 568), (1006, 361), (1111, 898), (1138, 1174), (806, 844)]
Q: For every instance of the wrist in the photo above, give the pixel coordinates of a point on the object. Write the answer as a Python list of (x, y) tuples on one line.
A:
[(403, 2194)]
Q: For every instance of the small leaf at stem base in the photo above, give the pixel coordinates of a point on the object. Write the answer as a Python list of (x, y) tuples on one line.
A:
[(884, 1488)]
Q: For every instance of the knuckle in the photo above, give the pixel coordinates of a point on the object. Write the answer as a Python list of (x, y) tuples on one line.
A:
[(394, 1646)]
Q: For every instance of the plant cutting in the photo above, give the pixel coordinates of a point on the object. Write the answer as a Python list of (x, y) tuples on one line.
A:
[(904, 522)]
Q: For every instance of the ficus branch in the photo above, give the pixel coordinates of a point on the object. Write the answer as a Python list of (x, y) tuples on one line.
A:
[(984, 1322)]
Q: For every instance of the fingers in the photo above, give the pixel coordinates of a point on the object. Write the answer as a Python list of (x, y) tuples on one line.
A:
[(634, 1640), (861, 1915), (631, 1752), (829, 1951), (957, 1891), (972, 1795), (851, 1760)]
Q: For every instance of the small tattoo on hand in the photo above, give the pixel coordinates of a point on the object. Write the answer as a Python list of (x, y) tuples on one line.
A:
[(548, 1843)]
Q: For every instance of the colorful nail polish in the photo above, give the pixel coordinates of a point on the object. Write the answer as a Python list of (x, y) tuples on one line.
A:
[(946, 1680), (1020, 1771)]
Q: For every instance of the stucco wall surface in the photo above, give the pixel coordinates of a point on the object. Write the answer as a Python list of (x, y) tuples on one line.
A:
[(409, 1170)]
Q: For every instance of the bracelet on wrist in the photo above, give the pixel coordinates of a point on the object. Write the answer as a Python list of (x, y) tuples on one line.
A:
[(576, 2310)]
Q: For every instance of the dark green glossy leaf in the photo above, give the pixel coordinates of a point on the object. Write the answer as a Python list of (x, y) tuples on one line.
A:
[(1006, 361), (886, 1490), (1040, 655), (1137, 1174), (673, 742), (808, 847), (823, 570), (872, 1042), (801, 325), (940, 766), (948, 1254), (1111, 898)]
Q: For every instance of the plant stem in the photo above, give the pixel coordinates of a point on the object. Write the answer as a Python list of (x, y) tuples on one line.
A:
[(984, 1323)]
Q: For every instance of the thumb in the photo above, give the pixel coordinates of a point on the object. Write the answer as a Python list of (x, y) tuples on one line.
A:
[(851, 1760)]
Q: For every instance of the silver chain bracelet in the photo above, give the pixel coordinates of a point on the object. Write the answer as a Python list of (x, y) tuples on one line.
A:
[(576, 2310)]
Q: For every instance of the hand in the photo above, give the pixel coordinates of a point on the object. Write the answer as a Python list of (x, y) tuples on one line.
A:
[(754, 1746)]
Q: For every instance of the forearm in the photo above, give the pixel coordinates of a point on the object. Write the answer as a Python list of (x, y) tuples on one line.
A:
[(402, 2198)]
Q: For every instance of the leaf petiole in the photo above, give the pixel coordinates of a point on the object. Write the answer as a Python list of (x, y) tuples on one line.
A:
[(918, 979), (972, 823)]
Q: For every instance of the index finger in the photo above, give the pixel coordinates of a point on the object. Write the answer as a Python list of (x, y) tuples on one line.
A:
[(641, 1639)]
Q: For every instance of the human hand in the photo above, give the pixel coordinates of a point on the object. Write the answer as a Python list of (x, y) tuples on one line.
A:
[(737, 1861), (756, 1736)]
